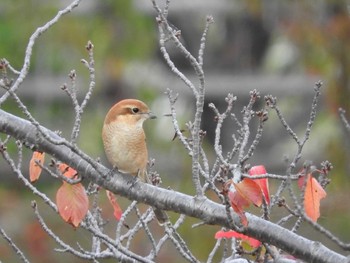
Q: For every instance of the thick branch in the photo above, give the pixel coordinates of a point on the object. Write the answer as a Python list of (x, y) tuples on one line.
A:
[(205, 209)]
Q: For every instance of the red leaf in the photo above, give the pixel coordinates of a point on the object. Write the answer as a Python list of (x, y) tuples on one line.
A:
[(313, 195), (34, 168), (224, 234), (263, 182), (250, 191), (113, 200), (301, 181), (233, 234), (72, 200)]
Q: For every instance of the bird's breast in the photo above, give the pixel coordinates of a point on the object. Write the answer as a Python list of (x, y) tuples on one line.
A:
[(125, 147)]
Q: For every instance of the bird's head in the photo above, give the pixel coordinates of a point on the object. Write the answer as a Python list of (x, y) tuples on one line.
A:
[(129, 112)]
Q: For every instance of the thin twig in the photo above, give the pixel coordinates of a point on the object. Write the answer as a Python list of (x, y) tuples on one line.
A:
[(271, 102), (344, 120), (146, 228), (180, 245), (29, 50), (210, 20), (214, 250), (7, 64), (245, 131), (42, 132), (79, 109), (230, 99), (14, 246), (255, 142), (198, 92), (171, 64), (178, 131), (177, 224), (65, 246), (25, 181), (121, 222)]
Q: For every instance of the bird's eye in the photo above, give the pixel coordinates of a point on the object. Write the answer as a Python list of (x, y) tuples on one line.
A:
[(135, 110)]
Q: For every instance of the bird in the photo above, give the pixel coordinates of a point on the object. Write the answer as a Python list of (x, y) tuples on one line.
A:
[(124, 141)]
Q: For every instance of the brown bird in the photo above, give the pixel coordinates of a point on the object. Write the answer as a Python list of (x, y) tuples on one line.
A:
[(124, 141)]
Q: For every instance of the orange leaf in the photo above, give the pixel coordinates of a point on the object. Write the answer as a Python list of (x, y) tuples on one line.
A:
[(263, 182), (313, 195), (250, 191), (72, 201), (34, 168), (237, 204), (233, 234), (245, 192), (113, 200)]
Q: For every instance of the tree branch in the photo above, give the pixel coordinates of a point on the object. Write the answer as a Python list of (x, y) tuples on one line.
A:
[(206, 210)]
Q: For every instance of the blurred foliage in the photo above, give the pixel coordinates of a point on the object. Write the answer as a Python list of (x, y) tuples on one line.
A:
[(115, 26), (323, 37), (17, 21)]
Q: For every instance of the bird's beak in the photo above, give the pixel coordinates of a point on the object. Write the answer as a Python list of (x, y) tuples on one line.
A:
[(151, 115)]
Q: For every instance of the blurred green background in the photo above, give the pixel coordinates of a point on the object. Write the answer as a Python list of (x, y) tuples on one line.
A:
[(255, 41)]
